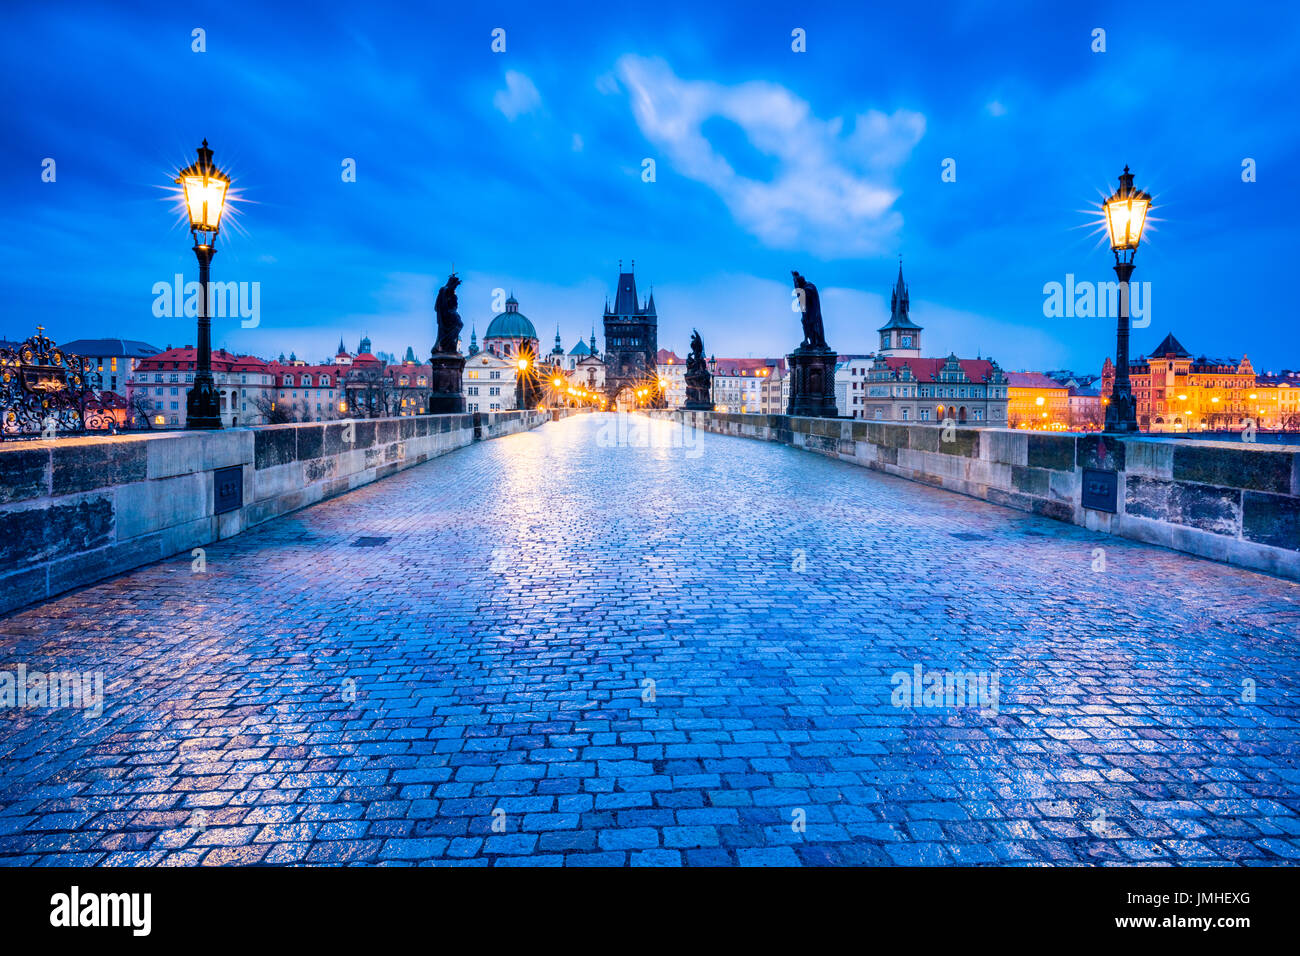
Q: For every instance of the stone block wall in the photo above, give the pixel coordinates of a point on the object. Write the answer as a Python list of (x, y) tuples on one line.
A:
[(77, 510), (1230, 501)]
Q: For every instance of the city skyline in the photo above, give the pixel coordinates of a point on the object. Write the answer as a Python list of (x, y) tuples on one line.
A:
[(529, 161)]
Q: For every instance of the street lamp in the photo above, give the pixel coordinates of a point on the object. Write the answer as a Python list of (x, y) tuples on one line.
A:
[(205, 189), (1126, 215)]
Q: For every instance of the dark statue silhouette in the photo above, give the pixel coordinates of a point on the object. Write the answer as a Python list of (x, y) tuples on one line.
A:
[(446, 364), (695, 361), (698, 379), (812, 364), (449, 323), (814, 335)]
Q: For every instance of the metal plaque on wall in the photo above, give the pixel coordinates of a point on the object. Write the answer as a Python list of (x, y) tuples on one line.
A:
[(1101, 490), (228, 489)]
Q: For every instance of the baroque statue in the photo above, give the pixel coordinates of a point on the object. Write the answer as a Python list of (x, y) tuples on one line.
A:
[(814, 335), (449, 323)]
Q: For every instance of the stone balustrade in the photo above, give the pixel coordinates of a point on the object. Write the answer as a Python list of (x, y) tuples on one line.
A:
[(1230, 501), (76, 510)]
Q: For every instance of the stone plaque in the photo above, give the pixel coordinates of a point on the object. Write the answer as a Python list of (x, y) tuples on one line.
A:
[(1101, 490)]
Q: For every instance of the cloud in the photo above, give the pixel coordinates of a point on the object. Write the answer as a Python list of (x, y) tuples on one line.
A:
[(577, 143), (829, 192), (995, 108), (520, 96)]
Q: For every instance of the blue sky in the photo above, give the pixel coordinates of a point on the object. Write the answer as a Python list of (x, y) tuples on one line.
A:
[(524, 168)]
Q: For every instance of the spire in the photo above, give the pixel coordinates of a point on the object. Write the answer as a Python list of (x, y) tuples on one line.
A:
[(342, 350), (593, 338), (473, 340), (899, 305), (625, 302)]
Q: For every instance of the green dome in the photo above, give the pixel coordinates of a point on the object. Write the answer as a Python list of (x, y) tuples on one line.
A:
[(510, 324)]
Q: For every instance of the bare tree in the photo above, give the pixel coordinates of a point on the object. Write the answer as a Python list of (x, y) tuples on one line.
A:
[(272, 412), (139, 411)]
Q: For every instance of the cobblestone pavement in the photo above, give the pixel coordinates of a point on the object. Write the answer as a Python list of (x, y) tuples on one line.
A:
[(563, 652)]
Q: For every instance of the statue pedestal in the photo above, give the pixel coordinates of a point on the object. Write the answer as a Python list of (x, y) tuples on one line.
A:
[(812, 383), (446, 375), (698, 397)]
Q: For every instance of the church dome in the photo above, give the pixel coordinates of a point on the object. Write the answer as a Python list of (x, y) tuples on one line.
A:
[(510, 324)]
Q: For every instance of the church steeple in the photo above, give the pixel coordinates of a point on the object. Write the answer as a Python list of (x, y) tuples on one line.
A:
[(473, 340), (900, 336), (898, 304)]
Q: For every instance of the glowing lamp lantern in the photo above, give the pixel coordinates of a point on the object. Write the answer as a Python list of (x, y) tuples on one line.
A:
[(1126, 214), (205, 189)]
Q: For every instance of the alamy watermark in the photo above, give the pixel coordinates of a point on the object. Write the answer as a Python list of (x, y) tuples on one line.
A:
[(940, 688), (626, 430), (22, 688), (179, 298), (1089, 300)]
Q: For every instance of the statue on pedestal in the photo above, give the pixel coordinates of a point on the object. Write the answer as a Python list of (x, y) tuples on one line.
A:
[(698, 380), (447, 365), (812, 364)]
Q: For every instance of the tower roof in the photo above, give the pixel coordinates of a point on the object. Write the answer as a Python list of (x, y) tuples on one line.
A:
[(625, 299), (510, 324), (1170, 346), (898, 307)]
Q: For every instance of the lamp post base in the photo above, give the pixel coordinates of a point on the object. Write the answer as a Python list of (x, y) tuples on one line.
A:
[(202, 405)]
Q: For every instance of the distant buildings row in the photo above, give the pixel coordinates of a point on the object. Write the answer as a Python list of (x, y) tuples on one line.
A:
[(1174, 391)]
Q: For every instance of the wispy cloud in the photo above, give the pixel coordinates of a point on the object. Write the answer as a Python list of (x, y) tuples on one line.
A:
[(831, 190), (519, 97)]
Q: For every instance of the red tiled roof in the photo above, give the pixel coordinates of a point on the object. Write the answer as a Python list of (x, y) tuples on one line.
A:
[(927, 369), (187, 358), (747, 366), (667, 357)]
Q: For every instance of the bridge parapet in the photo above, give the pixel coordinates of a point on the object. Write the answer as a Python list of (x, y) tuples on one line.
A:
[(1229, 501), (76, 510)]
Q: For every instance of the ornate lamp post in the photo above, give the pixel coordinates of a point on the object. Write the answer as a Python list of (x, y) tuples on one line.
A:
[(205, 198), (1126, 214)]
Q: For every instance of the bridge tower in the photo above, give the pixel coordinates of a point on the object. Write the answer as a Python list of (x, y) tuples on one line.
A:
[(631, 339)]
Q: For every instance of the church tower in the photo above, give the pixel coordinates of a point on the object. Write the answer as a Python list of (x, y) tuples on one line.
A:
[(631, 340), (900, 337)]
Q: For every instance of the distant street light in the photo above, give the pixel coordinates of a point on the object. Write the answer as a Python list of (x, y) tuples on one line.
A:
[(205, 189), (1126, 215)]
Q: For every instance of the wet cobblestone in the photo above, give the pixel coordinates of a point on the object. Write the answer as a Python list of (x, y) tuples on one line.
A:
[(570, 653)]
